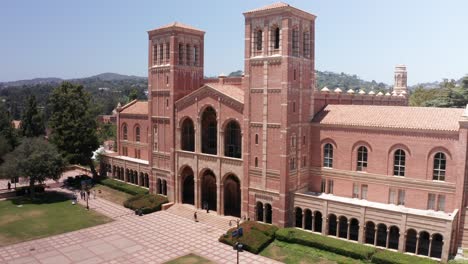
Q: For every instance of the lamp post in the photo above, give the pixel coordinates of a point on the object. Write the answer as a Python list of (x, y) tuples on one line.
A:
[(237, 233)]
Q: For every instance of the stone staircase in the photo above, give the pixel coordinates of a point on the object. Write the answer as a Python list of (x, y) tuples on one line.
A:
[(211, 218)]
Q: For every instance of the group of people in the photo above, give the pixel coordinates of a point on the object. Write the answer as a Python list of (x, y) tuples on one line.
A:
[(84, 195)]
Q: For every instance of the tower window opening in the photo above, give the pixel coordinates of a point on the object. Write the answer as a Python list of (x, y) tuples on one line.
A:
[(295, 42), (181, 53), (161, 54), (168, 52), (258, 42), (188, 54), (306, 47), (195, 55)]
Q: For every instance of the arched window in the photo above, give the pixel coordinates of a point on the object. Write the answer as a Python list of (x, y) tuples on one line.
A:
[(188, 59), (125, 131), (155, 138), (293, 141), (295, 42), (256, 138), (361, 158), (275, 39), (399, 163), (232, 140), (439, 167), (209, 131), (188, 135), (137, 134), (328, 155), (306, 44), (258, 40)]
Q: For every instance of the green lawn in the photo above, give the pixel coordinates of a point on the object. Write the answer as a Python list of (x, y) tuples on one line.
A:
[(190, 259), (110, 194), (49, 214), (295, 253)]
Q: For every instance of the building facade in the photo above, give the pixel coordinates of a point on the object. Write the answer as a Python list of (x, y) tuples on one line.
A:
[(271, 146)]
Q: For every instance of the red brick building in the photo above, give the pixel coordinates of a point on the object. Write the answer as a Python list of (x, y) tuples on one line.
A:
[(272, 147)]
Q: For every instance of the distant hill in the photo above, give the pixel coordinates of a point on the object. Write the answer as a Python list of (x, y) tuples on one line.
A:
[(108, 76), (346, 81)]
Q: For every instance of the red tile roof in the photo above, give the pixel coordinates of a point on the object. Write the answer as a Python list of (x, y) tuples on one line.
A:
[(268, 7), (179, 25), (403, 117), (137, 108), (233, 91)]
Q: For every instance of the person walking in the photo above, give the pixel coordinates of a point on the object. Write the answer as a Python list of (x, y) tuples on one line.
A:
[(9, 185), (195, 216)]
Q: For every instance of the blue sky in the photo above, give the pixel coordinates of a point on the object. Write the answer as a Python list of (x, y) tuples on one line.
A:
[(72, 39)]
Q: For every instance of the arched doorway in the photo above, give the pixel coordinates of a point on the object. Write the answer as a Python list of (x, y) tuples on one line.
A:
[(343, 232), (188, 186), (354, 229), (423, 246), (208, 190), (209, 133), (410, 245), (393, 237), (268, 214), (436, 246), (232, 140), (298, 217), (370, 233), (307, 219), (259, 211), (232, 196), (332, 225), (382, 235), (317, 221), (159, 186)]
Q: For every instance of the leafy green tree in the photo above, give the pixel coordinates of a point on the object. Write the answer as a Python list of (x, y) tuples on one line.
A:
[(6, 128), (420, 96), (73, 125), (133, 95), (35, 160), (106, 132), (32, 124)]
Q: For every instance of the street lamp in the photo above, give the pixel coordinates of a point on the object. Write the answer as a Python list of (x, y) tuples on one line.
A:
[(238, 247), (237, 233)]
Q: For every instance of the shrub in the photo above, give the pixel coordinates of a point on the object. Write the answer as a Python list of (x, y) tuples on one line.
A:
[(123, 187), (37, 189), (75, 182), (148, 203), (390, 257), (345, 248), (255, 238)]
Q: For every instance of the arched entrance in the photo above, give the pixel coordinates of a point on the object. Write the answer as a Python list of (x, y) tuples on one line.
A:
[(318, 221), (332, 225), (208, 190), (410, 244), (437, 243), (188, 185), (354, 229), (232, 196), (259, 211), (268, 214), (298, 217), (370, 233)]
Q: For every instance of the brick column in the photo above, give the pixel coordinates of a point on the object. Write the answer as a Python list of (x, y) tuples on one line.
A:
[(362, 233), (402, 242), (349, 228), (375, 236), (430, 246), (388, 237), (313, 223), (303, 220)]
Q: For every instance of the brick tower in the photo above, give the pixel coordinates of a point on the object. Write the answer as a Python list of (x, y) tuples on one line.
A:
[(175, 68), (401, 76), (278, 84)]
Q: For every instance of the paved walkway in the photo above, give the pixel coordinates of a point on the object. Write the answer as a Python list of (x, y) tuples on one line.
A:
[(153, 238)]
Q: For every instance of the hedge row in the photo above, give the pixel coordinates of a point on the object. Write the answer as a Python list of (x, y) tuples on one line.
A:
[(341, 247), (349, 249), (390, 257), (148, 203), (256, 236), (123, 187)]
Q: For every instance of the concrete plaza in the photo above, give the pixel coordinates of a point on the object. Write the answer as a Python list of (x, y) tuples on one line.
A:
[(153, 238)]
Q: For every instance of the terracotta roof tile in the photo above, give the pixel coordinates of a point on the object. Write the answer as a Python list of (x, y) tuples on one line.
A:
[(137, 108), (232, 91), (268, 7), (179, 25), (404, 117)]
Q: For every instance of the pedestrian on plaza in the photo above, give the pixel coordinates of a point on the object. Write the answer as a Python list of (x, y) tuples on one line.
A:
[(87, 193), (195, 216), (205, 204), (9, 185)]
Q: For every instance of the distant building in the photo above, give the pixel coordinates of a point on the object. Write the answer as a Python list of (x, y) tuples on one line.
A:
[(273, 147), (16, 124)]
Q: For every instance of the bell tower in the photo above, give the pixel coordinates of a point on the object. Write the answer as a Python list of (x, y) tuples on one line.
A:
[(278, 84), (401, 76), (175, 68)]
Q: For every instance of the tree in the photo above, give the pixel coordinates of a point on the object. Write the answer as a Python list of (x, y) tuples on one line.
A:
[(34, 160), (7, 132), (73, 124), (420, 96), (32, 124), (133, 95)]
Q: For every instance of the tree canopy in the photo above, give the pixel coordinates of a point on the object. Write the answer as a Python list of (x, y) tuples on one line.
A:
[(8, 135), (32, 124), (34, 160), (72, 123)]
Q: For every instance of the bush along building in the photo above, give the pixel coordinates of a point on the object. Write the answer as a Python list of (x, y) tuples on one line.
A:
[(273, 147)]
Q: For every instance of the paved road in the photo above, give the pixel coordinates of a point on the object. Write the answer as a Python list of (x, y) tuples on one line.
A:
[(153, 238)]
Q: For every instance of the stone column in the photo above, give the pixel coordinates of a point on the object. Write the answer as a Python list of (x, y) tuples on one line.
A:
[(196, 192), (221, 143), (303, 220), (324, 226), (375, 236), (197, 136), (264, 213), (402, 242), (312, 228), (430, 246), (349, 228), (388, 237), (337, 227), (417, 244)]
